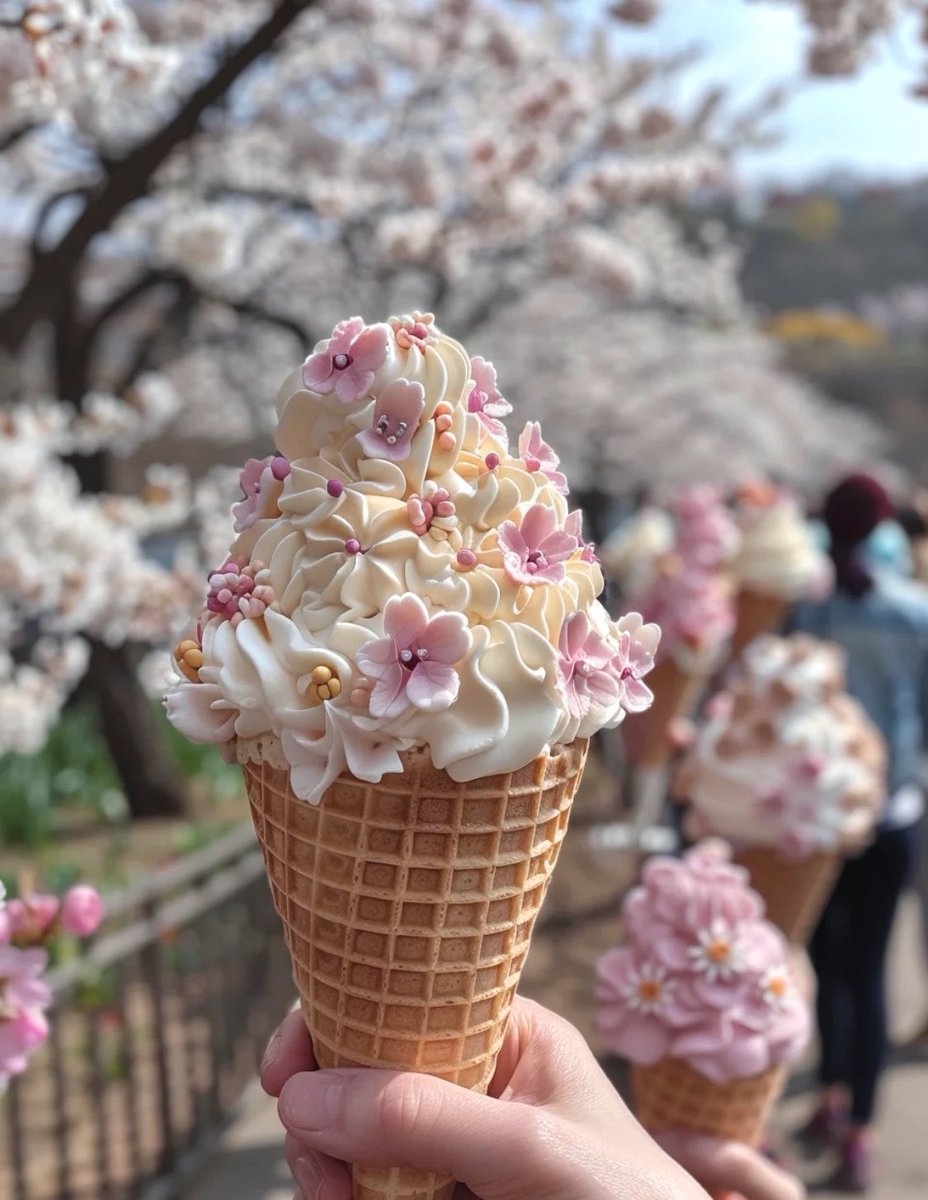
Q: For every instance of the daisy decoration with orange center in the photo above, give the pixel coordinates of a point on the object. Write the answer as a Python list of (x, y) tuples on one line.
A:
[(647, 987), (716, 953), (777, 988)]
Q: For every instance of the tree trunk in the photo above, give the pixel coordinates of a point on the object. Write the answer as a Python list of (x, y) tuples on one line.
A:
[(153, 785)]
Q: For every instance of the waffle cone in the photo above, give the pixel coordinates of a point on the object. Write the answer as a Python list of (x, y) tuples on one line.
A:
[(408, 907), (756, 614), (672, 1095), (795, 890), (647, 737)]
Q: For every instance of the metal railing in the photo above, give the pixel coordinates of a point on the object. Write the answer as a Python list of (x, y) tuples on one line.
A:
[(155, 1033)]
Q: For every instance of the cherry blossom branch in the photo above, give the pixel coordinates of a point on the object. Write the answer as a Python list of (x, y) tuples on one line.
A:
[(43, 293), (46, 208)]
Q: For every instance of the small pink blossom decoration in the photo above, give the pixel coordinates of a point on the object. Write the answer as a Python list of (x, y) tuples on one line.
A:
[(423, 510), (703, 977), (485, 399), (413, 665), (634, 658), (706, 534), (534, 552), (413, 331), (238, 591), (397, 414), (595, 673), (693, 606), (538, 456), (260, 481), (347, 364), (574, 526), (82, 911)]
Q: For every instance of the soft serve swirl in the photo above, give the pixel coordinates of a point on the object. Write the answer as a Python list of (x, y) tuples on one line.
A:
[(403, 578), (786, 758)]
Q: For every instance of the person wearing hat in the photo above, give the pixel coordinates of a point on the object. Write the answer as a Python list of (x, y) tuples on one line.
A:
[(880, 618)]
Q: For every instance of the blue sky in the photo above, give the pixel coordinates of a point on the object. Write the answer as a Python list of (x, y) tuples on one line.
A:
[(867, 124)]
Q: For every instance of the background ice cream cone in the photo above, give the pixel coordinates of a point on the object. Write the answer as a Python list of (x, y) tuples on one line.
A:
[(408, 907), (672, 1095), (756, 614), (794, 890), (647, 738)]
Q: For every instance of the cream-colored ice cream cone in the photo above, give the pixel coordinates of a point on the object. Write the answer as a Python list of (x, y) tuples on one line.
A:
[(408, 907), (672, 1095), (756, 614), (676, 690), (795, 890)]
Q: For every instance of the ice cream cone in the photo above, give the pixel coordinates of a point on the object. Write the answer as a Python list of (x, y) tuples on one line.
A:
[(647, 738), (795, 890), (755, 614), (672, 1095), (408, 907)]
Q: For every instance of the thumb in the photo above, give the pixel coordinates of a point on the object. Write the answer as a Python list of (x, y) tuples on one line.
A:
[(499, 1149)]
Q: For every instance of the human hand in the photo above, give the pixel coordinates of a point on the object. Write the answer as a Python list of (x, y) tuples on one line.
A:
[(730, 1169), (552, 1127)]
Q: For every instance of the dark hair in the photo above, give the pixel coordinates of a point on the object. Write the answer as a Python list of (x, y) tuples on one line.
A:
[(852, 511), (912, 522)]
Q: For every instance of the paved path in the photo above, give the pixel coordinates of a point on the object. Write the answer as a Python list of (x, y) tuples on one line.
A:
[(248, 1165)]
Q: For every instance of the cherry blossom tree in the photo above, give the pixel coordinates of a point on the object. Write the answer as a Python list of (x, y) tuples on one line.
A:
[(842, 33), (196, 193)]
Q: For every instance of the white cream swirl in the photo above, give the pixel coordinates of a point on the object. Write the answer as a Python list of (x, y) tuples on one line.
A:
[(345, 544), (778, 555), (786, 758)]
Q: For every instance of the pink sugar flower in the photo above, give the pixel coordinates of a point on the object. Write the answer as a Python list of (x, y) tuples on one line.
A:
[(81, 911), (621, 980), (29, 919), (238, 591), (534, 552), (397, 414), (584, 665), (538, 456), (347, 364), (485, 399), (413, 665), (633, 659), (574, 526), (260, 482)]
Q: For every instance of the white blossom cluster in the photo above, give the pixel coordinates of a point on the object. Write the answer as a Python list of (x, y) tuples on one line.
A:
[(843, 32), (643, 401), (72, 565)]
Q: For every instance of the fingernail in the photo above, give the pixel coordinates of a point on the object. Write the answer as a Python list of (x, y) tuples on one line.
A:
[(271, 1053), (309, 1176), (311, 1102)]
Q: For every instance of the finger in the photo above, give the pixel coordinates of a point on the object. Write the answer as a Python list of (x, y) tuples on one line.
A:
[(288, 1053), (722, 1166), (515, 1044), (317, 1176), (386, 1118)]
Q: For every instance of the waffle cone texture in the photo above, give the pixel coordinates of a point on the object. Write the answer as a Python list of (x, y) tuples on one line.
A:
[(671, 1095), (794, 890), (408, 907)]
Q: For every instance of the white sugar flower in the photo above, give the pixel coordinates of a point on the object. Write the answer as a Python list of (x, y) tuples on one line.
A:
[(647, 988), (777, 988), (717, 953)]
